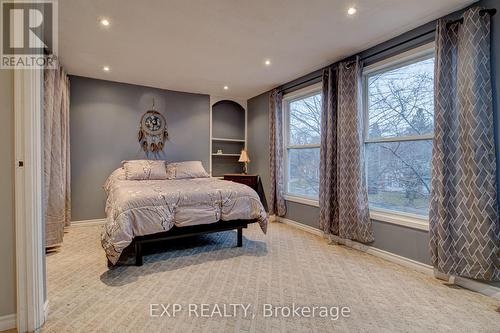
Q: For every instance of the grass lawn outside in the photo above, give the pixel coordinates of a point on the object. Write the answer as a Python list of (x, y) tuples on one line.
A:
[(399, 202)]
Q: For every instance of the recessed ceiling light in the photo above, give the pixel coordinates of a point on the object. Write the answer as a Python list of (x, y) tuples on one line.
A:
[(267, 62), (106, 68), (226, 87), (105, 22), (352, 11)]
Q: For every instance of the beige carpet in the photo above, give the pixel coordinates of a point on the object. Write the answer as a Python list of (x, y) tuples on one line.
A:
[(286, 266)]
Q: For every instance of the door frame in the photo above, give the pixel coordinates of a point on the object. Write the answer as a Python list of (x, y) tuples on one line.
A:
[(30, 252)]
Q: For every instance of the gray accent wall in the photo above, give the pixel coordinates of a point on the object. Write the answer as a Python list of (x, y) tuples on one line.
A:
[(302, 213), (258, 138), (406, 242), (7, 233), (104, 119), (400, 240)]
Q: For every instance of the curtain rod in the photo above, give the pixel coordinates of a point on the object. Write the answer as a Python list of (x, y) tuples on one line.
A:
[(482, 12), (364, 58)]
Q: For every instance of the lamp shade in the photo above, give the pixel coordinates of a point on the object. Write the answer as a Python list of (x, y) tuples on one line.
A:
[(244, 156)]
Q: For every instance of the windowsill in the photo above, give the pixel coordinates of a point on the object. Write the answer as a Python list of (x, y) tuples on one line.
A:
[(409, 221), (305, 201)]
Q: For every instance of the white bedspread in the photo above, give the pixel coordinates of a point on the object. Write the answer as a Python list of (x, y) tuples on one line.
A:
[(143, 207)]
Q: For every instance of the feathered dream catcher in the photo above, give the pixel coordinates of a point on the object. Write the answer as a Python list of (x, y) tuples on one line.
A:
[(152, 131)]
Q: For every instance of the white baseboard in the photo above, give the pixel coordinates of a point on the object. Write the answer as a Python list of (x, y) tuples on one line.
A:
[(82, 223), (403, 261), (476, 286), (301, 226), (7, 322), (473, 285)]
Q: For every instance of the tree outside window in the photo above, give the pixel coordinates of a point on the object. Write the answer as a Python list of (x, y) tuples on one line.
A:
[(400, 111), (302, 142)]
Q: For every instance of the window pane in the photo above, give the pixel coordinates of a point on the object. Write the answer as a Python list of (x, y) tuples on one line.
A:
[(303, 172), (401, 101), (399, 175), (305, 120)]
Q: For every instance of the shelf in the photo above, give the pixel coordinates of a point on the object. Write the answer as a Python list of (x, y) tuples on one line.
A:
[(228, 140), (215, 154)]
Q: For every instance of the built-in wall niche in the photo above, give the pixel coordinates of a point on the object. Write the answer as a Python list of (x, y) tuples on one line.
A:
[(228, 137)]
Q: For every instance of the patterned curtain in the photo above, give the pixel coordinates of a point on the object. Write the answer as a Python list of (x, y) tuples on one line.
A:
[(328, 196), (57, 191), (276, 200), (354, 217), (463, 217), (343, 193)]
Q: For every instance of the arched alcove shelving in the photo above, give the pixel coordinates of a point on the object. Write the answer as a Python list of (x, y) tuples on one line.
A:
[(228, 135)]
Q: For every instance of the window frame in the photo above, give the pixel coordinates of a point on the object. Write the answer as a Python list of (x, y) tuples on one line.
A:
[(421, 53), (287, 99)]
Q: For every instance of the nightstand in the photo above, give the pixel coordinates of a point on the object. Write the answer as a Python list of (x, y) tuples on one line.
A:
[(250, 180)]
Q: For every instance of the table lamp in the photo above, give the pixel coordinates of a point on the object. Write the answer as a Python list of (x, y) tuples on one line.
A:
[(245, 159)]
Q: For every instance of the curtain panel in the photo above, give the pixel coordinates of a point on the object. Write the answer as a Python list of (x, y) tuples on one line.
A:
[(57, 189), (277, 204), (343, 192), (463, 217), (328, 194)]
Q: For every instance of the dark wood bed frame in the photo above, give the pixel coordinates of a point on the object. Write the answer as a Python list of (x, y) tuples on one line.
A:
[(181, 232)]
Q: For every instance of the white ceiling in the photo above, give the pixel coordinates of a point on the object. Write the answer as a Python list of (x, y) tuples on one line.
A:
[(202, 45)]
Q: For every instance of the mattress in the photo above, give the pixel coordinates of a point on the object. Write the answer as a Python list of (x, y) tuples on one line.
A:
[(144, 207)]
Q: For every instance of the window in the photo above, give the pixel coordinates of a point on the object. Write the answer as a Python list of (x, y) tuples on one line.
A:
[(399, 107), (302, 138)]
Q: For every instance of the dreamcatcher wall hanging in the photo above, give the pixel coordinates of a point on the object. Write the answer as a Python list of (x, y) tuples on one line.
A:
[(152, 131)]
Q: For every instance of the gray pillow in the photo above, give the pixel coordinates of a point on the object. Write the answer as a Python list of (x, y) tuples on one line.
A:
[(144, 170), (188, 169)]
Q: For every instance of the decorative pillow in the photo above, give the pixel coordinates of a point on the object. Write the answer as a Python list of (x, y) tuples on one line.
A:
[(189, 169), (144, 169)]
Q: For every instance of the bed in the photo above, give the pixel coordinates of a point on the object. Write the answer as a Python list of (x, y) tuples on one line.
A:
[(141, 211)]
